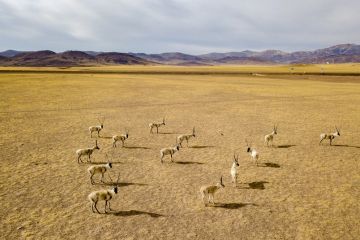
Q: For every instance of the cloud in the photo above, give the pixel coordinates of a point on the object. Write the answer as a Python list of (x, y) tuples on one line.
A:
[(177, 25)]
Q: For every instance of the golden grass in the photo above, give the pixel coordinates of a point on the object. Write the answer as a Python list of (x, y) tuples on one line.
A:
[(301, 191), (348, 68)]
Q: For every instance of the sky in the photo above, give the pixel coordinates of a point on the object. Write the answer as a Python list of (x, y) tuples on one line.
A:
[(189, 26)]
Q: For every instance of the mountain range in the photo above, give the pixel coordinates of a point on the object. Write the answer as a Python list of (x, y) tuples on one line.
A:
[(336, 54)]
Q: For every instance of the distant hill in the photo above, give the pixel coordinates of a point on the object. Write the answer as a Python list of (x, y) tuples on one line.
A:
[(10, 53), (171, 58), (120, 58), (48, 58), (336, 54)]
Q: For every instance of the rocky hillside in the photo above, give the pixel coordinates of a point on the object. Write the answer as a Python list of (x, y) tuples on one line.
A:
[(336, 54)]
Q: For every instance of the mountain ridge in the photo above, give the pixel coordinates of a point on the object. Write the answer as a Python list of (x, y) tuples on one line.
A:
[(341, 53)]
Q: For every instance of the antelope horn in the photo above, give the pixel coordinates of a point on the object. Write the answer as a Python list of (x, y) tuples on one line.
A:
[(111, 179), (118, 178)]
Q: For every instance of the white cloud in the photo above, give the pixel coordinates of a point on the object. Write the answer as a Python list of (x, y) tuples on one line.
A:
[(192, 26)]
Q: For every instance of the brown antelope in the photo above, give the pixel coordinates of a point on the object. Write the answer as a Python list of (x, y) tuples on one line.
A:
[(233, 171), (97, 128), (270, 137), (186, 137), (103, 195), (157, 125), (86, 151), (252, 152), (99, 169), (209, 191), (330, 136), (121, 138), (169, 151)]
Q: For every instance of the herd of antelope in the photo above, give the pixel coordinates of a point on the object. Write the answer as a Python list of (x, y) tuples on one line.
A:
[(207, 192)]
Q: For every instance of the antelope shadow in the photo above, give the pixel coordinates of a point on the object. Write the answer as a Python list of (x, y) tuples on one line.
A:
[(136, 147), (98, 163), (121, 184), (269, 164), (134, 213), (201, 146), (233, 205), (345, 145), (285, 146), (166, 133), (260, 185), (105, 137), (188, 162)]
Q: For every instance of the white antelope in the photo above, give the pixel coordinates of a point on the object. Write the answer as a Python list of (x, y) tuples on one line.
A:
[(103, 195), (233, 171), (270, 137), (97, 128), (157, 125), (99, 169), (209, 192), (329, 136), (169, 151), (86, 151), (252, 152), (121, 138), (186, 137)]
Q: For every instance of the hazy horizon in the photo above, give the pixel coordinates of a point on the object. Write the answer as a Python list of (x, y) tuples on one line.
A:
[(192, 27)]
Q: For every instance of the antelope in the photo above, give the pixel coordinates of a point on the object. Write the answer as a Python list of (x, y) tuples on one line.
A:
[(329, 136), (186, 137), (157, 125), (86, 151), (97, 169), (252, 152), (270, 137), (97, 128), (169, 151), (103, 195), (121, 138), (210, 191), (233, 171)]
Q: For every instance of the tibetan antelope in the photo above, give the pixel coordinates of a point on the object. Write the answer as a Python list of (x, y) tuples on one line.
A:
[(97, 128), (121, 138), (103, 195), (99, 169), (209, 192), (169, 151), (86, 151), (233, 171), (329, 136), (186, 137), (270, 137), (157, 125), (252, 152)]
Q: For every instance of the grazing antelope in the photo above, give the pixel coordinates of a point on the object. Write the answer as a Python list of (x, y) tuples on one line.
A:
[(86, 151), (169, 151), (157, 125), (97, 128), (103, 195), (121, 138), (210, 191), (252, 152), (329, 136), (270, 137), (186, 137), (99, 169), (233, 171)]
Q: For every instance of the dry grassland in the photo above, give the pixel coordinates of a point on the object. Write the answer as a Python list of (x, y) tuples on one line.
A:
[(300, 190)]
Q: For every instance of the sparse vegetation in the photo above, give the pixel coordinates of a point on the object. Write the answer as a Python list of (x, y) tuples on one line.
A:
[(300, 188)]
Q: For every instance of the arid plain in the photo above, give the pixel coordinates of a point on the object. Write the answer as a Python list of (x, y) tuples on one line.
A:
[(300, 190)]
